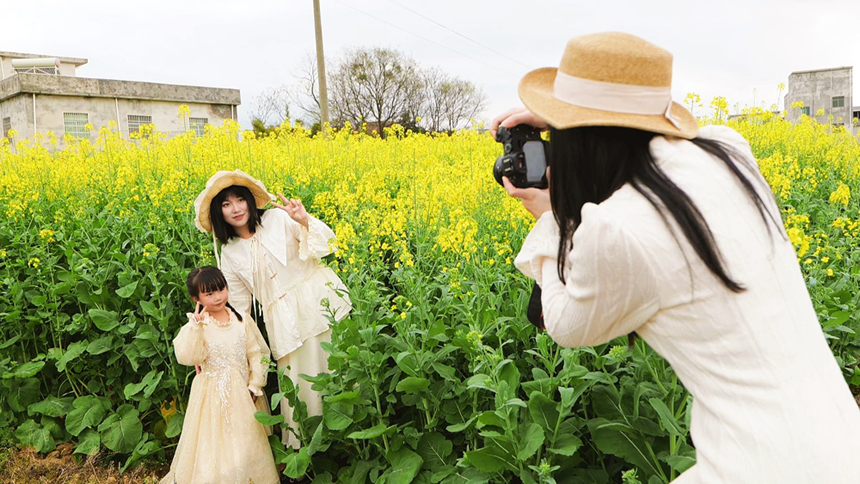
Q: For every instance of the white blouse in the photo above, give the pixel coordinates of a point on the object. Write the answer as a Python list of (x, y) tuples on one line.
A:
[(280, 267), (770, 403)]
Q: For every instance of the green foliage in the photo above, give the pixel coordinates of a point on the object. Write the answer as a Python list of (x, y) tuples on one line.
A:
[(435, 376)]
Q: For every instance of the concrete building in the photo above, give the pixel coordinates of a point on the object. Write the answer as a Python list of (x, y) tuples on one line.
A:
[(41, 93), (827, 90)]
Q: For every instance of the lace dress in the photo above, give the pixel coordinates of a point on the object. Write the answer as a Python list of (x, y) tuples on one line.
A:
[(221, 442)]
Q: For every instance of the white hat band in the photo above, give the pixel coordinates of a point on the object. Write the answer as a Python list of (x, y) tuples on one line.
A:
[(612, 97)]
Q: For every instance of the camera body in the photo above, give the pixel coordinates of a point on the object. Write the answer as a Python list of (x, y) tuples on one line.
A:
[(524, 161)]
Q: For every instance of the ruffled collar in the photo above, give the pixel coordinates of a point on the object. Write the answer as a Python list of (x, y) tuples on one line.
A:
[(212, 321)]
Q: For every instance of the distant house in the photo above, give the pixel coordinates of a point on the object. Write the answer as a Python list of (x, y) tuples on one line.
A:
[(40, 93), (824, 90)]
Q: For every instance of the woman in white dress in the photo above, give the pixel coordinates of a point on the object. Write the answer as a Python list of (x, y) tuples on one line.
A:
[(221, 441), (274, 257), (654, 226)]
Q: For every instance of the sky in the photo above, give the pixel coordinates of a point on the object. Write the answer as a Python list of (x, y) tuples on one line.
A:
[(741, 50)]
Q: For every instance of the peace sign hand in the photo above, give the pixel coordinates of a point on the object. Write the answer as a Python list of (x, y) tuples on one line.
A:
[(294, 208), (198, 313)]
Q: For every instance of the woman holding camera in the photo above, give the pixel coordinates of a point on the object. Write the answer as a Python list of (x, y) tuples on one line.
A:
[(653, 225)]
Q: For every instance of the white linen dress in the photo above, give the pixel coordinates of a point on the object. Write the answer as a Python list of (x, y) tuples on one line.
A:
[(280, 267), (770, 404), (221, 441)]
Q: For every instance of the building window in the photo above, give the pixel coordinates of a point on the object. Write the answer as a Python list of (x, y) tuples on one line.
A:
[(7, 126), (75, 124), (135, 121), (804, 110), (197, 125), (838, 101)]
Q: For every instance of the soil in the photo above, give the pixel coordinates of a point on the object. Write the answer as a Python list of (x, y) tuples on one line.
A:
[(26, 466)]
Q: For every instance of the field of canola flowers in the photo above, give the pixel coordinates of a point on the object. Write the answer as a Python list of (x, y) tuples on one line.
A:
[(436, 376)]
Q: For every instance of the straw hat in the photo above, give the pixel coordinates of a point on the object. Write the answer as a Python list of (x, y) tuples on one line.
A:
[(220, 181), (609, 79)]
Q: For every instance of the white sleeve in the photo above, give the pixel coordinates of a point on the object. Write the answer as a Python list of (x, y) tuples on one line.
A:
[(240, 296), (609, 288)]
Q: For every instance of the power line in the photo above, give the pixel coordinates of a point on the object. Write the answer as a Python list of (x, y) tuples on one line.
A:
[(458, 33), (426, 39)]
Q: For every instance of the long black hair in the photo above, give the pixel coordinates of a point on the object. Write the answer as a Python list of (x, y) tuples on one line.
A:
[(207, 279), (224, 231), (590, 163)]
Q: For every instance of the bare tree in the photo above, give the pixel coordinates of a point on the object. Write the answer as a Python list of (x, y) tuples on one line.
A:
[(304, 94), (375, 85), (271, 103), (450, 103)]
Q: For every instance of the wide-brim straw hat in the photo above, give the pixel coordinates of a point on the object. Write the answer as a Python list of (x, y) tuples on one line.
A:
[(609, 79), (220, 181)]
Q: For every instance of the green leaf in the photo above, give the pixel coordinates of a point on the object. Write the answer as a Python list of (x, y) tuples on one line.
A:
[(122, 430), (566, 445), (337, 416), (507, 371), (101, 345), (543, 411), (468, 476), (149, 309), (490, 418), (28, 369), (276, 400), (23, 394), (174, 427), (73, 351), (434, 449), (370, 433), (87, 412), (531, 441), (51, 406), (104, 320), (9, 342), (461, 426), (361, 469), (543, 385), (264, 418), (30, 434), (405, 465), (52, 425), (446, 372), (680, 463), (491, 459), (480, 381), (126, 291), (666, 417), (413, 384), (613, 438), (297, 463), (88, 442), (407, 362)]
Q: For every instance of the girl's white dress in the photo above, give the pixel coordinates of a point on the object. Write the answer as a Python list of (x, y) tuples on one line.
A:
[(221, 441), (770, 404)]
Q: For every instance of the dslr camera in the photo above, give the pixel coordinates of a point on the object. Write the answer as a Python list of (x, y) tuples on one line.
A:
[(524, 161)]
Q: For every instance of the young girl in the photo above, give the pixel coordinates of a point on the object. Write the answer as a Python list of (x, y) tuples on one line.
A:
[(273, 257), (221, 442)]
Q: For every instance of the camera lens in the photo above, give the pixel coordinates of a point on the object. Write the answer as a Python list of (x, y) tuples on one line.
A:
[(497, 171)]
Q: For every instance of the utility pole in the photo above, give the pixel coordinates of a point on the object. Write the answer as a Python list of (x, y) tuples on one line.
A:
[(321, 65)]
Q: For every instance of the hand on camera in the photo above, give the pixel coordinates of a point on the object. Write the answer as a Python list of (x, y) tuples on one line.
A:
[(535, 200), (513, 117)]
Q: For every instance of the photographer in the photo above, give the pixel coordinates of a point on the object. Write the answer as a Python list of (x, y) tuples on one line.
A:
[(653, 225)]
